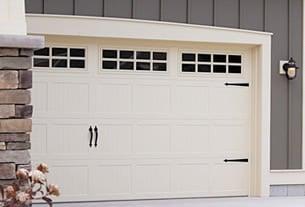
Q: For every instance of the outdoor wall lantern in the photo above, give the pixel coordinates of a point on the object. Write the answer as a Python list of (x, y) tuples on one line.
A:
[(290, 69)]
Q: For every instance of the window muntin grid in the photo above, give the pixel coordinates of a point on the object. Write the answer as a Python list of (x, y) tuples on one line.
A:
[(211, 63), (133, 60), (58, 57)]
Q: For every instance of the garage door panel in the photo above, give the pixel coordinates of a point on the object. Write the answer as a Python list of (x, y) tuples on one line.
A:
[(111, 180), (151, 178), (230, 138), (191, 99), (191, 139), (68, 139), (151, 139), (113, 98), (69, 97), (115, 139), (161, 134), (230, 177), (39, 139), (229, 101), (191, 178), (40, 97), (74, 185), (151, 98)]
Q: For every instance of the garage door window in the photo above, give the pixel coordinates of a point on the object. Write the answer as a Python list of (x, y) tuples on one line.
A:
[(133, 60), (60, 58), (211, 63)]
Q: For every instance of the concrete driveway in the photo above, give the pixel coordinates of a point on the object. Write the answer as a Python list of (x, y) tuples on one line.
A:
[(207, 202)]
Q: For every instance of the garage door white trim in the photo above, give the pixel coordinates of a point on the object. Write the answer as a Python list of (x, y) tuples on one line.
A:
[(147, 30)]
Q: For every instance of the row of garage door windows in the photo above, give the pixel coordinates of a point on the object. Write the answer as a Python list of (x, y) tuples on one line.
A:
[(137, 60)]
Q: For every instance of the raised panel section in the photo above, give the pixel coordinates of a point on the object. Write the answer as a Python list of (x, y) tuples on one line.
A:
[(151, 139), (201, 12), (39, 139), (69, 97), (227, 13), (191, 139), (112, 180), (91, 8), (234, 180), (151, 178), (174, 10), (40, 97), (190, 100), (147, 9), (118, 8), (229, 138), (151, 98), (232, 102), (191, 178), (116, 139), (58, 7), (75, 185), (113, 98), (68, 139)]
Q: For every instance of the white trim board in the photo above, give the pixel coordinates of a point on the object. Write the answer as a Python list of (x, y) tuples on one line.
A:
[(138, 29), (260, 42)]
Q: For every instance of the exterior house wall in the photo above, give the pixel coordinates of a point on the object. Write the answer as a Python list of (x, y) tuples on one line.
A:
[(16, 49), (281, 17)]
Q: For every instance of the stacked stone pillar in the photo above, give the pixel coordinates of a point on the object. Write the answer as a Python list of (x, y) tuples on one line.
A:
[(15, 103)]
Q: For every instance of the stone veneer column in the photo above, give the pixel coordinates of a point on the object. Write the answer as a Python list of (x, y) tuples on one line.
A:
[(15, 102)]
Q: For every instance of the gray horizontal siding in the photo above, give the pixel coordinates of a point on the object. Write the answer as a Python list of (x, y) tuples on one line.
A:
[(282, 17)]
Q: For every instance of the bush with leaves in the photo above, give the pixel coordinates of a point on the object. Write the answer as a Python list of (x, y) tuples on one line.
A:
[(28, 186)]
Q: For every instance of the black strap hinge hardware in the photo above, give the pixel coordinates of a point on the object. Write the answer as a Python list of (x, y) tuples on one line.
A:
[(237, 84), (236, 160)]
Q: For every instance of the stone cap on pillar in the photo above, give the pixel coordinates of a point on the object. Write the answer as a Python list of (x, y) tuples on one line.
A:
[(22, 41)]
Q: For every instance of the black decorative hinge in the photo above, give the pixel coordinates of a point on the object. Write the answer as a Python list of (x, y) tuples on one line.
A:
[(236, 160), (237, 84)]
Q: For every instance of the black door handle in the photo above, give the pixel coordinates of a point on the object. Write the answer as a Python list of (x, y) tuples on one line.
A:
[(96, 136), (237, 84), (91, 136), (236, 160)]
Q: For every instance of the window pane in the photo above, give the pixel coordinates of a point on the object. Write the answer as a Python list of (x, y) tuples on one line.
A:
[(234, 69), (234, 59), (143, 66), (188, 57), (59, 51), (109, 65), (77, 63), (59, 63), (159, 56), (109, 53), (188, 67), (75, 52), (204, 68), (125, 54), (219, 68), (204, 58), (220, 58), (143, 55), (159, 66), (41, 62), (126, 65), (42, 52)]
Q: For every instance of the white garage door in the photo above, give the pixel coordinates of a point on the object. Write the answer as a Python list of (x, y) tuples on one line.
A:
[(129, 121)]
